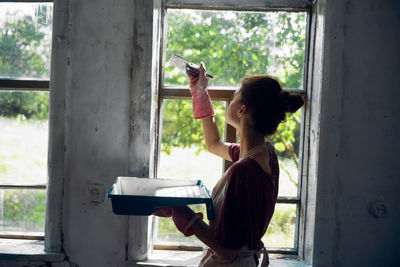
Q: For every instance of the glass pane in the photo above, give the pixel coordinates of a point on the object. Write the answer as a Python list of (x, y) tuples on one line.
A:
[(183, 149), (167, 234), (287, 145), (22, 211), (281, 229), (234, 44), (25, 40), (23, 137), (183, 156)]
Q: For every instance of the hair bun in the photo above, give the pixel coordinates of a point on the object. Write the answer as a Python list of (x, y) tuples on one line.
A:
[(291, 102)]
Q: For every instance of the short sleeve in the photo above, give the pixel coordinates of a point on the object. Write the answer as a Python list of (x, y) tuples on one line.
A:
[(234, 152), (247, 207)]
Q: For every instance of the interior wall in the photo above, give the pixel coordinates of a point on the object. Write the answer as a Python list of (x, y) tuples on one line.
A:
[(358, 161), (97, 129)]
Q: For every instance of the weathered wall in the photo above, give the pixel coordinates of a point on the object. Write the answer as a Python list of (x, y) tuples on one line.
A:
[(97, 128), (358, 161)]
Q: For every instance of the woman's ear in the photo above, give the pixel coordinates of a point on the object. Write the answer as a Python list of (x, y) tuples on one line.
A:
[(242, 110)]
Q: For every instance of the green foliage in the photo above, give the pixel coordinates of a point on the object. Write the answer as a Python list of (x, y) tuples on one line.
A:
[(19, 44), (25, 52), (179, 127), (233, 45), (238, 44), (21, 207), (281, 229), (286, 139), (30, 105)]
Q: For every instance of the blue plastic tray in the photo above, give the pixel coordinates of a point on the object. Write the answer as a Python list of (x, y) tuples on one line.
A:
[(141, 196)]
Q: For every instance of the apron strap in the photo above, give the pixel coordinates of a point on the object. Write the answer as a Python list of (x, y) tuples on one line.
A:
[(265, 261), (257, 149)]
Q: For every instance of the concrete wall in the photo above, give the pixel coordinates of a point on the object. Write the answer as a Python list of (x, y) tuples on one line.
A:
[(358, 161), (359, 129)]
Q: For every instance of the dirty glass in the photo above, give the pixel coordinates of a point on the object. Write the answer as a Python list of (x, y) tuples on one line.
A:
[(23, 137), (187, 159), (287, 142), (22, 211), (282, 228), (25, 40), (234, 44)]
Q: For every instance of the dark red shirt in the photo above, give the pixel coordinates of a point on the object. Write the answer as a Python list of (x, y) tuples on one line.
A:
[(249, 202)]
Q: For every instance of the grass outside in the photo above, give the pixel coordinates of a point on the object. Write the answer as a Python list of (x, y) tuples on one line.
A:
[(23, 160), (23, 151)]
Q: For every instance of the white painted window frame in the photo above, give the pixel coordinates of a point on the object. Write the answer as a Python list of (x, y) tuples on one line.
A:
[(56, 149)]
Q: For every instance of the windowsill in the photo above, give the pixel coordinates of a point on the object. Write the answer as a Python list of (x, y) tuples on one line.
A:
[(185, 258), (27, 250)]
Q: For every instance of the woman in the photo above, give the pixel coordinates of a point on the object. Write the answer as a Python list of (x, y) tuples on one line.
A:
[(244, 198)]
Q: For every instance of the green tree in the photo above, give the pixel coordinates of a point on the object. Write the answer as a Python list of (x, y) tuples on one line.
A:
[(19, 43), (233, 45), (25, 52), (24, 209)]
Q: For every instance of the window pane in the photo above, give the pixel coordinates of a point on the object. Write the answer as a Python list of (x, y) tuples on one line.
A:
[(183, 156), (23, 137), (22, 211), (234, 44), (25, 40), (281, 229), (183, 150), (167, 234), (287, 145)]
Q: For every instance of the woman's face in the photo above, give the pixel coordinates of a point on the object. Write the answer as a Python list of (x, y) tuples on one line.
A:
[(232, 117)]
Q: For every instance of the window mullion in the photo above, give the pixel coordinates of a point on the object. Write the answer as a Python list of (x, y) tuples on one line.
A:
[(25, 85), (288, 200), (22, 236), (184, 93), (13, 186)]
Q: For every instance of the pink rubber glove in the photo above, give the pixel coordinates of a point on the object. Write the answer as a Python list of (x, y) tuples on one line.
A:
[(182, 216), (164, 212), (202, 106)]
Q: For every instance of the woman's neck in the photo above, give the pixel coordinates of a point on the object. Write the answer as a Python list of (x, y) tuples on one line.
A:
[(249, 139)]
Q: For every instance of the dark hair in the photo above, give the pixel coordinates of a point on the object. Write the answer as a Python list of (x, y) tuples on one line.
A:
[(267, 102)]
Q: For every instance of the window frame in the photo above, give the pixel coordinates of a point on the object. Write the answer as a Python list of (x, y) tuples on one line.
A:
[(226, 94), (27, 85), (56, 137)]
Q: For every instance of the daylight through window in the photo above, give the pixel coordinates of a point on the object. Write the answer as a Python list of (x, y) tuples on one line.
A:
[(232, 44), (25, 44)]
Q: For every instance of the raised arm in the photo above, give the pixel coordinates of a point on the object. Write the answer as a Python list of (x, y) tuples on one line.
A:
[(213, 140), (203, 109)]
